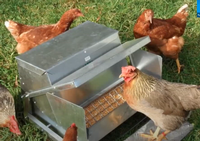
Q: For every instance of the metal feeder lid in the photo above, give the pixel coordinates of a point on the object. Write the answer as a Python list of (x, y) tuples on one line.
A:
[(68, 50)]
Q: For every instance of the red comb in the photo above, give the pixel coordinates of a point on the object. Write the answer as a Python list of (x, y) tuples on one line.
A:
[(127, 69), (73, 125)]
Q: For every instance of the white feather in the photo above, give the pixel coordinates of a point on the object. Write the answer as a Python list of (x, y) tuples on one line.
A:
[(185, 6), (6, 23)]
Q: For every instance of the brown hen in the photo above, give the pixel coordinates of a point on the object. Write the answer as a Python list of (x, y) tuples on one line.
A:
[(71, 133), (29, 37), (167, 104), (165, 34)]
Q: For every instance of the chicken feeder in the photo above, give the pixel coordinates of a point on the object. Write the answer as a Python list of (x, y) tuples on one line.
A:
[(74, 78)]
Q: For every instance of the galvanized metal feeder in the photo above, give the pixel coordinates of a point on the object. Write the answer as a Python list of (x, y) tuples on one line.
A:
[(74, 78)]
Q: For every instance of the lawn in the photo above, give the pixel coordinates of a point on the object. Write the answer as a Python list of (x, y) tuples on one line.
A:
[(117, 14)]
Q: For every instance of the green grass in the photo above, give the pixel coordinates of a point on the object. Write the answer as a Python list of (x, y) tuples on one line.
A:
[(117, 14)]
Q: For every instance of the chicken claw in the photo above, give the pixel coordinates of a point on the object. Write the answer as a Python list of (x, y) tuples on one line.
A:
[(154, 136)]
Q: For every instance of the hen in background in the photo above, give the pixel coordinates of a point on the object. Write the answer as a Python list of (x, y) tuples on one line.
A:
[(167, 104), (71, 133), (7, 111), (165, 34), (29, 37)]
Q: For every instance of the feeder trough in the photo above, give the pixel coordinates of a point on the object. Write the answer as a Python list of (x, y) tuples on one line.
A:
[(73, 78)]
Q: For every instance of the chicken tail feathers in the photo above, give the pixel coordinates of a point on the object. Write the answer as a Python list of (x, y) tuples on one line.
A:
[(7, 24), (184, 9), (182, 13), (16, 29), (12, 28), (180, 19)]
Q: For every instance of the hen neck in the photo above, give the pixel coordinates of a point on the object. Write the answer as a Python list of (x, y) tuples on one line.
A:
[(143, 85), (65, 22)]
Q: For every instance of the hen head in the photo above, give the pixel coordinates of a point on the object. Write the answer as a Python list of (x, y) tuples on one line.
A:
[(12, 125), (76, 13), (73, 125), (71, 133), (128, 73), (147, 16)]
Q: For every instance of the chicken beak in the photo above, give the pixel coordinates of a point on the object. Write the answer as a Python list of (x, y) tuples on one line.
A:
[(121, 75), (80, 15), (150, 19)]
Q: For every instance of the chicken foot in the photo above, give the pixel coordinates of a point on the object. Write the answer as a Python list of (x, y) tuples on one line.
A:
[(178, 65), (155, 136), (152, 135)]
